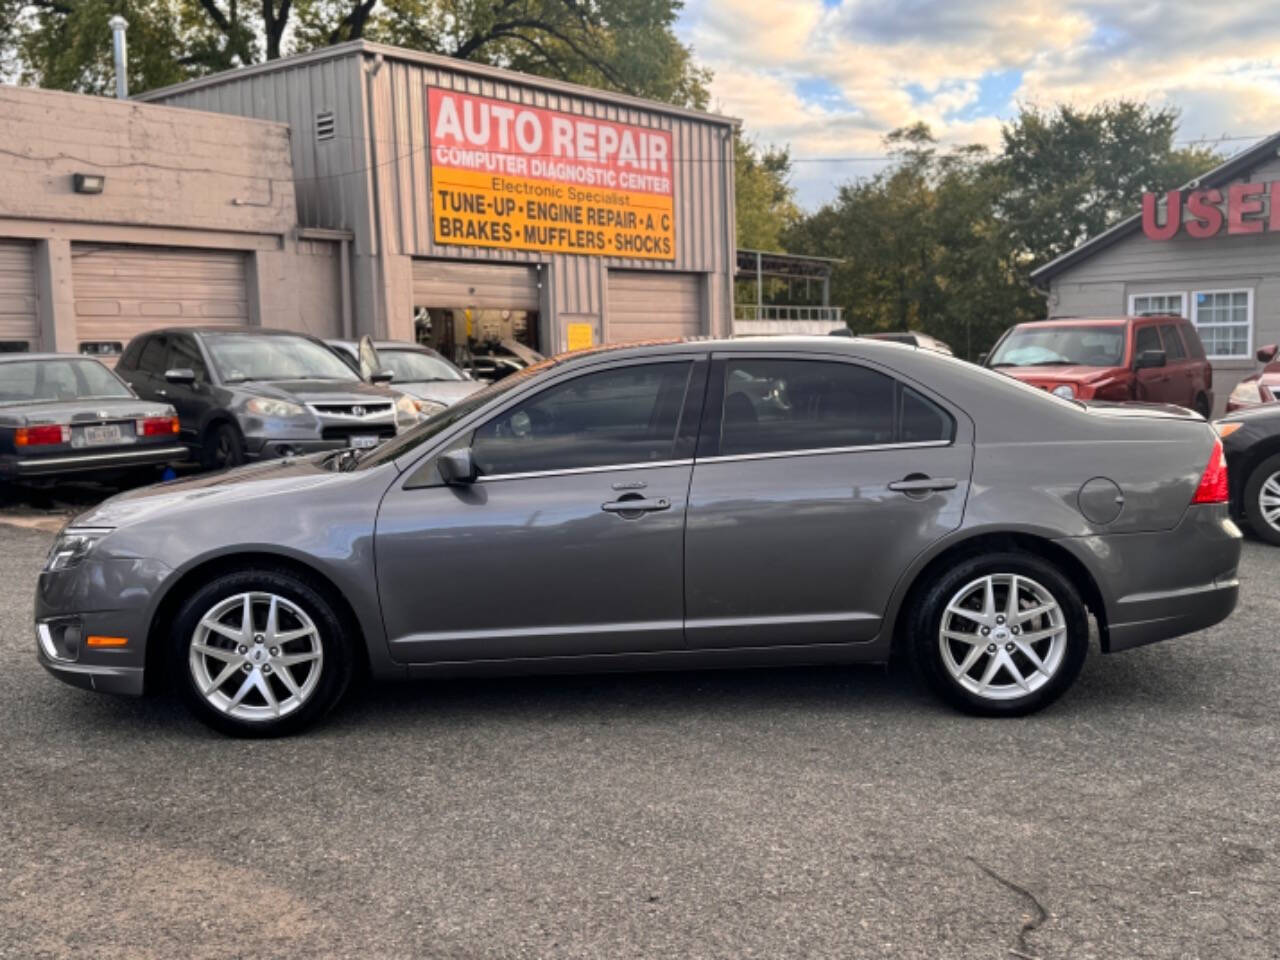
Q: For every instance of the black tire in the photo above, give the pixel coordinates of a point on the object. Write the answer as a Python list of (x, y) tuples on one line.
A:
[(1252, 503), (925, 643), (1201, 405), (335, 667), (222, 447)]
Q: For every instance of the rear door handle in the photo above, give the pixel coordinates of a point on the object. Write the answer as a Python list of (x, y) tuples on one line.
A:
[(922, 484), (636, 504)]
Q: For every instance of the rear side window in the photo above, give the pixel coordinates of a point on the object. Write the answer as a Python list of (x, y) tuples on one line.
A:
[(1172, 342), (779, 405), (1192, 340), (625, 415), (1147, 339)]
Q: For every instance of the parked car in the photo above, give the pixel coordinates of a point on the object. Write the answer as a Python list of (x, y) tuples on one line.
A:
[(1259, 388), (62, 414), (249, 393), (914, 338), (871, 499), (432, 381), (1152, 359), (1251, 439)]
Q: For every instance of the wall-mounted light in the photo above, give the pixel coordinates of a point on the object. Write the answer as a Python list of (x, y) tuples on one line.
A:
[(88, 182)]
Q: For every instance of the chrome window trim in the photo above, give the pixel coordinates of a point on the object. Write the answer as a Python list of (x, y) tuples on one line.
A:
[(866, 447), (642, 465)]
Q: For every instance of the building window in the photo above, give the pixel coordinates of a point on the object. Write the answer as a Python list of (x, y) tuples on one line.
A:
[(1147, 304), (1224, 320)]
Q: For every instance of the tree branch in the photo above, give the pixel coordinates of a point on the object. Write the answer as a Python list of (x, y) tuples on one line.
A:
[(353, 22)]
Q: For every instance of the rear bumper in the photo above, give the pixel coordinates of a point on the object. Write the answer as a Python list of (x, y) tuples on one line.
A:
[(63, 463), (1156, 586)]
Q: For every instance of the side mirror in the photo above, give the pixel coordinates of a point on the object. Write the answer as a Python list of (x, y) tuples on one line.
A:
[(1150, 358), (1268, 353), (982, 359), (457, 467), (180, 375), (381, 376)]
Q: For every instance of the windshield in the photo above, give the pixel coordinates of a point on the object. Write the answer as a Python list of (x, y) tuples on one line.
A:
[(246, 356), (414, 365), (1088, 346), (34, 381), (447, 417)]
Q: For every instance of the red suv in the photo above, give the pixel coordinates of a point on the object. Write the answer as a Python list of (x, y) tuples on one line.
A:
[(1152, 359)]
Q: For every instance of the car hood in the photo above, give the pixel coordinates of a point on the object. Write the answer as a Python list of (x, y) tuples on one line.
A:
[(441, 391), (73, 411), (1077, 373), (316, 390), (223, 489)]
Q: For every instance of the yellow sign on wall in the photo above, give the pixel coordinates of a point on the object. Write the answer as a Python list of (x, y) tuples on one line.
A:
[(522, 178), (581, 335)]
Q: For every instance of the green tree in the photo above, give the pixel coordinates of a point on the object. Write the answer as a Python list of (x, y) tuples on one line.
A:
[(922, 247), (624, 45), (766, 205), (1071, 173)]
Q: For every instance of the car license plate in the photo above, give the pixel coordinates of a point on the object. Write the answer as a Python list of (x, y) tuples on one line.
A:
[(364, 442), (107, 433)]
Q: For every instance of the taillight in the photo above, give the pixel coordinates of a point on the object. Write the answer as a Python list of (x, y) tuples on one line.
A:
[(41, 436), (1213, 482), (158, 427)]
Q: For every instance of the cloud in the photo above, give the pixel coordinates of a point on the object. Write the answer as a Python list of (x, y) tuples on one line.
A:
[(833, 78)]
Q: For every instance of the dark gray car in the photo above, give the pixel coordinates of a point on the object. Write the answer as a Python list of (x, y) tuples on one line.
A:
[(700, 504), (249, 393)]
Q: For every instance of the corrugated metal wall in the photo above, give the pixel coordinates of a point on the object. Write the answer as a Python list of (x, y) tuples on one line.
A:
[(18, 319), (377, 159)]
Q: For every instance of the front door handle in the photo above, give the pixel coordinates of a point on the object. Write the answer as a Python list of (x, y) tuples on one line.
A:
[(922, 484), (636, 505)]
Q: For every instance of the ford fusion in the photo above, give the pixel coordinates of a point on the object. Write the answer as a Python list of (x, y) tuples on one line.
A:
[(695, 504)]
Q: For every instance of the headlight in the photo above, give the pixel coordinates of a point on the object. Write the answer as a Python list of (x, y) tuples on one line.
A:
[(428, 408), (72, 546), (266, 407), (410, 410), (1065, 390)]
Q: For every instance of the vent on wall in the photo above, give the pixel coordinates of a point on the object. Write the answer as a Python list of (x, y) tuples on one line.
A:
[(324, 125)]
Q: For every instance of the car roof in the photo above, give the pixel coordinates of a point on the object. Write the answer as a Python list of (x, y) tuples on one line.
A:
[(382, 345), (16, 357), (1098, 321), (209, 329)]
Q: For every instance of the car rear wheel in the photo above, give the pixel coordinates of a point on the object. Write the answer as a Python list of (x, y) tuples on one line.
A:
[(1262, 500), (222, 447), (260, 653), (1000, 635)]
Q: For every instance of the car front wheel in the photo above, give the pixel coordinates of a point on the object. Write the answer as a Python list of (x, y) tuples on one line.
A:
[(1262, 500), (260, 653), (1000, 635)]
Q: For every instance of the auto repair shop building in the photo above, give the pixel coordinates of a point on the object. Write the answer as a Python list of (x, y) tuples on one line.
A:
[(484, 203), (1209, 251)]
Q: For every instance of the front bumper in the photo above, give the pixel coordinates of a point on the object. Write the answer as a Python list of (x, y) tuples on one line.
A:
[(1160, 585), (109, 597), (78, 462)]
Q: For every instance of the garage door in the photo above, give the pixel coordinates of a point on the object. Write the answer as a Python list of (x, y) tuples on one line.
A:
[(648, 305), (483, 286), (19, 322), (121, 291)]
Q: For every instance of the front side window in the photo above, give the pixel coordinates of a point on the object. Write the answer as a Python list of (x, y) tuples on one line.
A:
[(37, 381), (778, 405), (239, 357), (1146, 338), (1059, 345), (184, 354), (624, 415), (155, 353), (1148, 304), (1223, 319)]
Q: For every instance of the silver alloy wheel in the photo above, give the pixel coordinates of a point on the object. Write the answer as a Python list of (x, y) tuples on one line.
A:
[(1003, 636), (1269, 500), (256, 656)]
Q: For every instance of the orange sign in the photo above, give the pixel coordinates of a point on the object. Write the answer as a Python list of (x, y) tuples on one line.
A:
[(522, 178)]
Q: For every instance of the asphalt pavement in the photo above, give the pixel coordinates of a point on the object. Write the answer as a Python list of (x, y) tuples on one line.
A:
[(805, 813)]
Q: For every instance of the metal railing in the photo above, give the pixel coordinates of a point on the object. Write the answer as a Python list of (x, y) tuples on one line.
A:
[(751, 312)]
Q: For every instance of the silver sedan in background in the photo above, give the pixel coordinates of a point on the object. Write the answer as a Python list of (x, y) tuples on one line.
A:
[(693, 504)]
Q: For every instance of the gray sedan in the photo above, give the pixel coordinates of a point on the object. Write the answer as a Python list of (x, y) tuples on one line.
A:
[(698, 504)]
